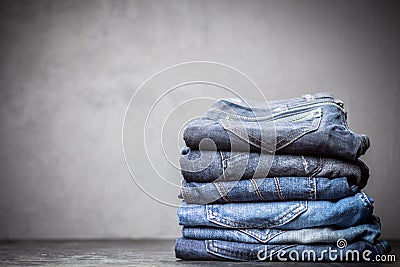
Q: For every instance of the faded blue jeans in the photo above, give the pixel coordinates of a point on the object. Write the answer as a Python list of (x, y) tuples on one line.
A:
[(192, 249), (220, 166), (268, 189), (289, 215), (314, 125), (369, 232)]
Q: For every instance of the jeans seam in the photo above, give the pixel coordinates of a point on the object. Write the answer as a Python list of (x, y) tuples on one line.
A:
[(258, 192), (278, 188), (231, 254), (224, 163), (304, 130), (292, 133), (251, 135), (252, 234), (312, 186), (225, 193), (319, 167), (299, 118), (222, 192), (287, 214)]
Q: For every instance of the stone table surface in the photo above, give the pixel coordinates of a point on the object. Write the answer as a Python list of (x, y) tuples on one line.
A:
[(124, 253)]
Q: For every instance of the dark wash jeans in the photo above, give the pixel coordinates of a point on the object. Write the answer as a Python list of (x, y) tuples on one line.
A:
[(314, 125), (192, 249), (219, 166)]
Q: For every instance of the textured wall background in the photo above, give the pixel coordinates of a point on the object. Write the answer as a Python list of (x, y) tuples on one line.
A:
[(68, 69)]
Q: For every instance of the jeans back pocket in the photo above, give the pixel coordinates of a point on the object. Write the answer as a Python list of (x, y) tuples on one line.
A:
[(255, 215), (270, 135)]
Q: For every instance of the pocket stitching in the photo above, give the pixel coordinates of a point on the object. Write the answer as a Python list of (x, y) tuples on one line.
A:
[(295, 211), (260, 238), (313, 125)]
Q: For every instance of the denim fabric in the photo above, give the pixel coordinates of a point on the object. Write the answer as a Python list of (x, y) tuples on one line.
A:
[(366, 232), (315, 126), (267, 189), (191, 249), (209, 166), (288, 215)]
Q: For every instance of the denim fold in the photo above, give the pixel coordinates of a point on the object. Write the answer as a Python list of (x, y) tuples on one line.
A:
[(369, 232), (314, 127), (219, 166), (289, 215), (267, 189), (192, 249)]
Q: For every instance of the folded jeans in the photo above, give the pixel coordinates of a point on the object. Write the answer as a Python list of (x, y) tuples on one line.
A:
[(287, 215), (315, 127), (369, 232), (219, 166), (267, 189), (192, 249)]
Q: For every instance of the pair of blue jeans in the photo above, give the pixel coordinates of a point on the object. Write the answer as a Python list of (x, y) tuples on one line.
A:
[(285, 215), (268, 189), (220, 166), (368, 232), (192, 249), (314, 125)]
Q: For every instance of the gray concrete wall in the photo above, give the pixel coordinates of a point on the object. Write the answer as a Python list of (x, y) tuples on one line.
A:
[(68, 69)]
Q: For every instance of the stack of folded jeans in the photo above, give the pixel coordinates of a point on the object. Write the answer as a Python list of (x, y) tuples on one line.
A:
[(276, 183)]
